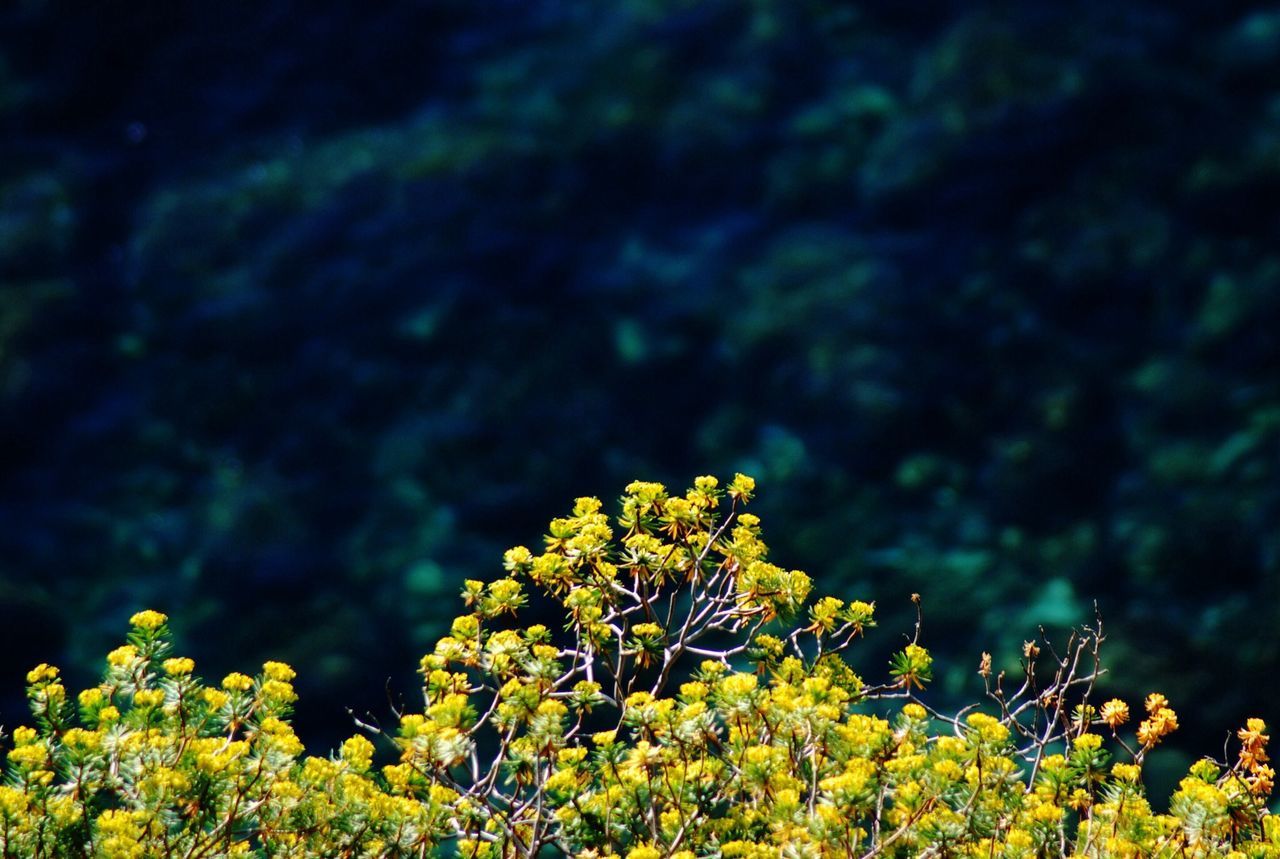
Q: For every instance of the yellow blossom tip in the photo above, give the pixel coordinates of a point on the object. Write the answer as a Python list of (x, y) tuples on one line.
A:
[(148, 620)]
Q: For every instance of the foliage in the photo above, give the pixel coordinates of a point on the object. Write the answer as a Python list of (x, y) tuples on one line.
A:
[(696, 702), (988, 292)]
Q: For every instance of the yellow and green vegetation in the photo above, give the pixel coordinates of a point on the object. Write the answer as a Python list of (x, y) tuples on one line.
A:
[(692, 699)]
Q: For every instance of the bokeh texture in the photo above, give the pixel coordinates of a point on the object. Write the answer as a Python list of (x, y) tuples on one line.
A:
[(308, 311)]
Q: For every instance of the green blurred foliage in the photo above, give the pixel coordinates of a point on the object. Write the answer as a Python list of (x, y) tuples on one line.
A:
[(986, 299)]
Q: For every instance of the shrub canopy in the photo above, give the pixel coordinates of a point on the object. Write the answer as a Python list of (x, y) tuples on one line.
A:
[(696, 701)]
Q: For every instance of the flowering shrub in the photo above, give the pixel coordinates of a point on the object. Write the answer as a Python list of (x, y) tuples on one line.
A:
[(695, 702)]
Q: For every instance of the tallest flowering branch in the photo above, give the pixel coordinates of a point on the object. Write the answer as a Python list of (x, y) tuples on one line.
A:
[(685, 572)]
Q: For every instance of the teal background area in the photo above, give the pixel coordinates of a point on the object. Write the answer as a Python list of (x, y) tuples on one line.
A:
[(308, 311)]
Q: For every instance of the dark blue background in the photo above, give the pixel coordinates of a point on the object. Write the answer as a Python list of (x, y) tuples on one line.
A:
[(309, 310)]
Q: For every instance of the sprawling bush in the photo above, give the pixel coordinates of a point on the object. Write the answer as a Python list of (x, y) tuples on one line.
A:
[(695, 702)]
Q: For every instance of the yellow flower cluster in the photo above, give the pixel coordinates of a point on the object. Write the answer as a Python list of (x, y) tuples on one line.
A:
[(165, 766), (1253, 756), (42, 673), (179, 666), (1115, 713), (740, 729), (1160, 722), (148, 620)]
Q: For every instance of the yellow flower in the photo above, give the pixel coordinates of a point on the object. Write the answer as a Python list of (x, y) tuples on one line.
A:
[(1261, 780), (586, 505), (693, 691), (1019, 839), (398, 776), (518, 557), (738, 684), (1253, 743), (13, 802), (823, 614), (165, 780), (25, 735), (80, 740), (278, 690), (42, 673), (550, 707), (118, 835), (466, 626), (50, 692), (148, 620), (571, 757), (1126, 772), (1163, 722), (237, 682), (988, 727), (358, 753), (29, 755), (279, 671), (1047, 813), (1254, 728), (914, 711), (179, 666), (742, 486), (1091, 742), (1115, 713), (122, 656), (280, 736)]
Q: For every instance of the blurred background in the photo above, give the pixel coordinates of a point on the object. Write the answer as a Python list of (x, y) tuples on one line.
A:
[(308, 311)]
